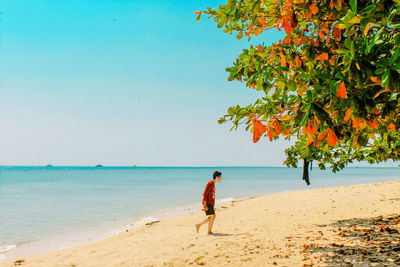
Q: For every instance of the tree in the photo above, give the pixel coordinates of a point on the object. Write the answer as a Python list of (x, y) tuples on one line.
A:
[(332, 82)]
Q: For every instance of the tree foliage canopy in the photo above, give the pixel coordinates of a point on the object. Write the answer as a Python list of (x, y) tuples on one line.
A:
[(332, 82)]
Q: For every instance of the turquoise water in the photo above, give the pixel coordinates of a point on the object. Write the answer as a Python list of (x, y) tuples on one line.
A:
[(45, 208)]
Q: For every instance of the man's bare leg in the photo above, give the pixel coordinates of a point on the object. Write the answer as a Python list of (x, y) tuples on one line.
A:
[(210, 223), (200, 224)]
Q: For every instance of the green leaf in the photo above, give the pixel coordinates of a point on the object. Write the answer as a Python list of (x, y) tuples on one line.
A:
[(198, 17), (237, 14), (368, 9), (396, 67), (394, 57), (354, 20), (231, 111), (220, 24), (303, 121), (376, 38), (364, 22), (392, 14), (353, 4), (385, 78)]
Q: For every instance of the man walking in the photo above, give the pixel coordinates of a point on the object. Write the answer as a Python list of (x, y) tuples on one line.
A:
[(209, 202)]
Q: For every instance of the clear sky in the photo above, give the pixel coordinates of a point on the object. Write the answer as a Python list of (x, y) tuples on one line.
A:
[(121, 83)]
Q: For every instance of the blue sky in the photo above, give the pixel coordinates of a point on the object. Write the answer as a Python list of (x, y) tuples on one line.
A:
[(121, 83)]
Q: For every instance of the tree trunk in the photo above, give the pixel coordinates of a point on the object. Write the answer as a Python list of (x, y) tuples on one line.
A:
[(306, 178)]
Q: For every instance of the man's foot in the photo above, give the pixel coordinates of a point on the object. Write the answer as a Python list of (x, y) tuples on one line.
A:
[(210, 233), (197, 227)]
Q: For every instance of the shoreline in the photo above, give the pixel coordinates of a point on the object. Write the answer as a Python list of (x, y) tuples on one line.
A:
[(103, 232), (262, 220)]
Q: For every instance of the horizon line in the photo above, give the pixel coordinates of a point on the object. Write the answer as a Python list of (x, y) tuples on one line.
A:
[(161, 166)]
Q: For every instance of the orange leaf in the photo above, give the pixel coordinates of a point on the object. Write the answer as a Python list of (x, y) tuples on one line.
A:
[(313, 8), (262, 21), (332, 60), (270, 134), (286, 26), (342, 91), (347, 115), (340, 4), (356, 123), (375, 80), (255, 117), (287, 40), (367, 29), (197, 12), (317, 120), (283, 59), (356, 142), (337, 33), (321, 35), (327, 40), (276, 126), (332, 138), (376, 112), (316, 144), (311, 128), (321, 136), (286, 132), (323, 57), (297, 60), (373, 124), (309, 140), (391, 127), (372, 136), (253, 86), (259, 129)]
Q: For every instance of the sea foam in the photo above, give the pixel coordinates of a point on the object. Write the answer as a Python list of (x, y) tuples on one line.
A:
[(136, 223), (4, 249)]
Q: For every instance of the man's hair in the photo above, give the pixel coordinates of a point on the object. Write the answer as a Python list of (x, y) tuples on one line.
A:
[(216, 174)]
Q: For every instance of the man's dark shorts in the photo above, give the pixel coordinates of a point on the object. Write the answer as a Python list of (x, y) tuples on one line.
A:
[(210, 210)]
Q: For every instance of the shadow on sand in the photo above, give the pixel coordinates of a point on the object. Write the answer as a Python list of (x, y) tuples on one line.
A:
[(373, 242), (223, 234)]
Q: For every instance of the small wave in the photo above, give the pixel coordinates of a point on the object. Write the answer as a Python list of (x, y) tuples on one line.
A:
[(64, 247), (137, 223), (224, 201), (4, 249)]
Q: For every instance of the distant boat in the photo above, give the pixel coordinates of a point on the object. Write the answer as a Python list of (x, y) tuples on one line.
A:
[(99, 166), (49, 165)]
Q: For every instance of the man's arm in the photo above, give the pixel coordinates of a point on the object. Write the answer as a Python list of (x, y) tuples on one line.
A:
[(205, 206), (205, 194)]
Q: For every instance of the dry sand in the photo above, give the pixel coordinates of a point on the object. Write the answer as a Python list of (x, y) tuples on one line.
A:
[(276, 229)]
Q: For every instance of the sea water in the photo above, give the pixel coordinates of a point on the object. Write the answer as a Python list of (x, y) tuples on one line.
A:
[(47, 208)]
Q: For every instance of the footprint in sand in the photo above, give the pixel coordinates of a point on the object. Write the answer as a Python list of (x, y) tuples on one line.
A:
[(191, 245), (19, 262)]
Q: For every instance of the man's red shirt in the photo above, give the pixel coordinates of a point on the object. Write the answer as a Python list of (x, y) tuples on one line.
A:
[(209, 193)]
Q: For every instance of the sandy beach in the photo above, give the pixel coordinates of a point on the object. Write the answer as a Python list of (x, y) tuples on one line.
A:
[(304, 228)]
